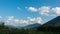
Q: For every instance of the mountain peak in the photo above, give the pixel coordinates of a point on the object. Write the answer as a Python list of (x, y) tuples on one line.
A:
[(54, 20), (58, 17)]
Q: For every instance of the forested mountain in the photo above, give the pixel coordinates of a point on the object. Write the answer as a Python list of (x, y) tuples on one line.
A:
[(52, 25)]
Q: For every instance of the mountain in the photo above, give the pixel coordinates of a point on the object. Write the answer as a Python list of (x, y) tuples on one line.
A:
[(52, 25), (29, 26), (32, 26), (24, 27)]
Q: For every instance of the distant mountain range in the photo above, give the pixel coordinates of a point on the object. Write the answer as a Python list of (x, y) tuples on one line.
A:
[(35, 25), (32, 26), (29, 26)]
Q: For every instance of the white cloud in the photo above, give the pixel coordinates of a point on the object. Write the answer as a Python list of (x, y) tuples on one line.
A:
[(56, 10), (35, 20), (39, 20), (44, 10), (32, 20), (25, 22), (32, 9), (10, 18), (21, 22), (16, 21), (29, 21)]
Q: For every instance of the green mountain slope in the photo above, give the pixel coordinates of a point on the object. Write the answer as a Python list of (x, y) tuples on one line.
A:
[(52, 25)]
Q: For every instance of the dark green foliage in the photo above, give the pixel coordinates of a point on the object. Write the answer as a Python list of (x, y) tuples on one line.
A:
[(6, 30), (51, 26)]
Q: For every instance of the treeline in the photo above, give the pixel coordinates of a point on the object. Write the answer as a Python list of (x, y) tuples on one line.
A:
[(6, 30)]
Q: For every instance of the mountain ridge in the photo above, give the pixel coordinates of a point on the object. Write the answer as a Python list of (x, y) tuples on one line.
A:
[(52, 25)]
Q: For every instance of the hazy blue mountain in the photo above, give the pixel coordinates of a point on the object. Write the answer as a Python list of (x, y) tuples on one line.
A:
[(32, 26), (29, 26), (25, 27)]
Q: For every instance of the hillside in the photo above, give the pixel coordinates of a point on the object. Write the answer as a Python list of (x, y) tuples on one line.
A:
[(52, 25)]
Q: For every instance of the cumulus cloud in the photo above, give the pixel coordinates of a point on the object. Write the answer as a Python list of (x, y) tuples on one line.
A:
[(46, 10), (35, 20), (56, 10), (9, 19), (16, 21), (31, 20), (32, 9), (22, 22), (39, 20)]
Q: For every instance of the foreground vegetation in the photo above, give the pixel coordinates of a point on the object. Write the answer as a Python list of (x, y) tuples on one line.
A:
[(22, 31), (6, 30)]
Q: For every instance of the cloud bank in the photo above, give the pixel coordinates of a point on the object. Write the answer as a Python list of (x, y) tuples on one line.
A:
[(46, 10), (22, 22)]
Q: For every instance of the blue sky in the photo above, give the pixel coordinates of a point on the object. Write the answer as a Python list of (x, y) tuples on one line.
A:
[(21, 9)]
